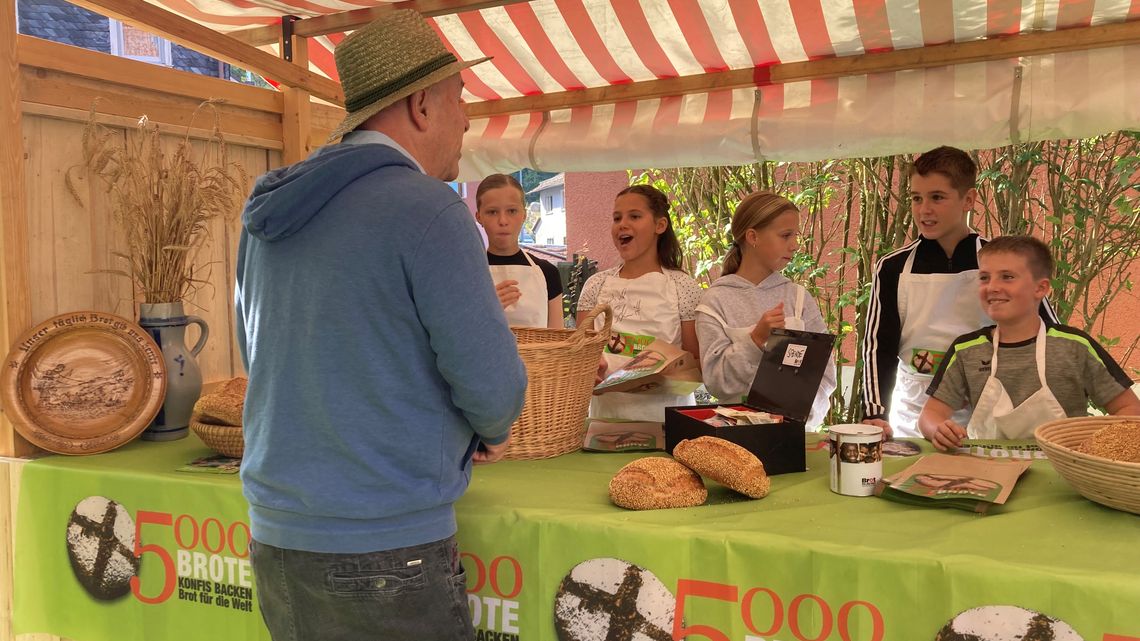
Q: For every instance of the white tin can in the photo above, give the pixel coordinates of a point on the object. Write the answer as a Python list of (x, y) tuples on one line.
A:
[(856, 459)]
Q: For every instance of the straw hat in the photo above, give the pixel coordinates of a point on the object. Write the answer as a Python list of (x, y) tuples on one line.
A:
[(391, 58)]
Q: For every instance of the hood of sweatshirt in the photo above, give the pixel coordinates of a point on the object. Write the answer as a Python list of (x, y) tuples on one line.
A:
[(733, 281), (285, 200)]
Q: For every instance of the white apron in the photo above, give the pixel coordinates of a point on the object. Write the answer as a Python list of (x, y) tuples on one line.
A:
[(934, 309), (532, 307), (743, 336), (995, 417), (647, 305)]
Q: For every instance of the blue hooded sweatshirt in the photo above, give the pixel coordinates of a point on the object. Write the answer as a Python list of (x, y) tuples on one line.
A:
[(378, 354)]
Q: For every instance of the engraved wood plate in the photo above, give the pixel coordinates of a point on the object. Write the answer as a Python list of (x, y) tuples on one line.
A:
[(83, 383)]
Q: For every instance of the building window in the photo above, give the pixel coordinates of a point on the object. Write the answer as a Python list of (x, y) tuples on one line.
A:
[(129, 42), (549, 200)]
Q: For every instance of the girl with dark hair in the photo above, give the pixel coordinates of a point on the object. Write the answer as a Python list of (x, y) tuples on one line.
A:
[(751, 298), (529, 289), (651, 298)]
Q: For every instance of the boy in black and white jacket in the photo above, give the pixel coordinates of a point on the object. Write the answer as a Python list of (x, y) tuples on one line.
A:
[(924, 295)]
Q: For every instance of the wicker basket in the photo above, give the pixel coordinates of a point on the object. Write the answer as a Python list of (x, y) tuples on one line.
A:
[(1112, 483), (561, 365), (226, 440)]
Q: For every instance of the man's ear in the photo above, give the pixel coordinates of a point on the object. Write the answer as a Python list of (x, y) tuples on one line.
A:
[(1044, 288), (418, 109)]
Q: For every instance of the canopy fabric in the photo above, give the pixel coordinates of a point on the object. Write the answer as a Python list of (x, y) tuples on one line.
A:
[(554, 46)]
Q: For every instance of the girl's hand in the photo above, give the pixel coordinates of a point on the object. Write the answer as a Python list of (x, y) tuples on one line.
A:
[(771, 319), (508, 292), (600, 375)]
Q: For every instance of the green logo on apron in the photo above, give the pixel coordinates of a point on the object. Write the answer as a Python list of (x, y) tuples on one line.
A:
[(628, 344), (925, 361)]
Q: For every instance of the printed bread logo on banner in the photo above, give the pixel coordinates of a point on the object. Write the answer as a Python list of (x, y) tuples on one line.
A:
[(925, 361), (101, 547), (1005, 623), (495, 617), (609, 599)]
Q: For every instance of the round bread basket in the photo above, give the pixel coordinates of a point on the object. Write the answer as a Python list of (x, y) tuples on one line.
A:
[(226, 440), (561, 365), (1115, 484)]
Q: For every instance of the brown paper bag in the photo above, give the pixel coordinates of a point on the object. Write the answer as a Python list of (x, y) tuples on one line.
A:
[(947, 480)]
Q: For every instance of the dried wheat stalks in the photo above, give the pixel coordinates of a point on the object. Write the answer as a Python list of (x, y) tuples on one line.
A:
[(164, 202)]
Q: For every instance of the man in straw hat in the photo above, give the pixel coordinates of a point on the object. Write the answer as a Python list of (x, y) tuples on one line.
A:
[(368, 324)]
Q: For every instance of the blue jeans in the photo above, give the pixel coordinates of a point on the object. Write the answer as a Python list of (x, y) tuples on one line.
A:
[(416, 593)]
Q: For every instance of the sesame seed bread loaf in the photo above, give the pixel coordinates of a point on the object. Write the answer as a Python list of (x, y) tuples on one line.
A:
[(653, 483), (726, 463), (223, 407)]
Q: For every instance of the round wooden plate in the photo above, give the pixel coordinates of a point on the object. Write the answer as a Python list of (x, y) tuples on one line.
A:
[(83, 383)]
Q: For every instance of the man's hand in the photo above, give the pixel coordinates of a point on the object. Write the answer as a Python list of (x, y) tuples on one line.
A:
[(489, 453), (888, 433), (948, 436), (508, 292)]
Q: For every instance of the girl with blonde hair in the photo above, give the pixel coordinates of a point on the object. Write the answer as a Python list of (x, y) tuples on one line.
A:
[(751, 298)]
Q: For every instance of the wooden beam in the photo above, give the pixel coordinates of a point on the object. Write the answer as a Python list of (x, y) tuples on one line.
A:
[(349, 20), (15, 293), (46, 87), (295, 121), (187, 33), (45, 54), (1030, 44)]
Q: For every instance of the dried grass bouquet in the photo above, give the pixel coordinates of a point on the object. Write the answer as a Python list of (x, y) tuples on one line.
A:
[(164, 201)]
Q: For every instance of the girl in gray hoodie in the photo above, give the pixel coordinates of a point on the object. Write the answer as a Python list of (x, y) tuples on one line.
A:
[(751, 298)]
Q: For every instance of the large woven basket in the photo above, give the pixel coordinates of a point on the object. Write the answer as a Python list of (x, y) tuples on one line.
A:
[(561, 365), (226, 440), (1112, 483)]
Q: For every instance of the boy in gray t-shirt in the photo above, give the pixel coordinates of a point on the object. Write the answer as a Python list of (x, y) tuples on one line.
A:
[(1007, 399)]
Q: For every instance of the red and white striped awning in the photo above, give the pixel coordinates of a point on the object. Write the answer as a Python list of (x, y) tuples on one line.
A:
[(555, 46)]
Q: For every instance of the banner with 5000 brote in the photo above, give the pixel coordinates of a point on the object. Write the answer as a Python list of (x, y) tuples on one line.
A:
[(121, 547)]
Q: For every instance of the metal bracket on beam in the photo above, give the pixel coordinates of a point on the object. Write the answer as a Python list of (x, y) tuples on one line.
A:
[(287, 36)]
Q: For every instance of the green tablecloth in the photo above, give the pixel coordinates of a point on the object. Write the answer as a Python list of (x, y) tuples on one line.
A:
[(802, 563)]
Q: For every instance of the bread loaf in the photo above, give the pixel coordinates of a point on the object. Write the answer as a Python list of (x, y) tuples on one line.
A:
[(236, 386), (652, 483), (223, 407), (726, 463)]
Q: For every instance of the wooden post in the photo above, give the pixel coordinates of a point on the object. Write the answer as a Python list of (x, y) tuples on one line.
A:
[(15, 300), (297, 116)]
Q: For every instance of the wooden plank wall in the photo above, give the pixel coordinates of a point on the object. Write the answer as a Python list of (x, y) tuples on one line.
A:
[(67, 242)]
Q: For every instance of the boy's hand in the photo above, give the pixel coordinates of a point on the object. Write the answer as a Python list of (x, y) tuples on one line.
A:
[(888, 433), (771, 319), (490, 453), (508, 292), (948, 436)]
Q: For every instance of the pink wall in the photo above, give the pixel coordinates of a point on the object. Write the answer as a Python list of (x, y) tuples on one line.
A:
[(589, 207)]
